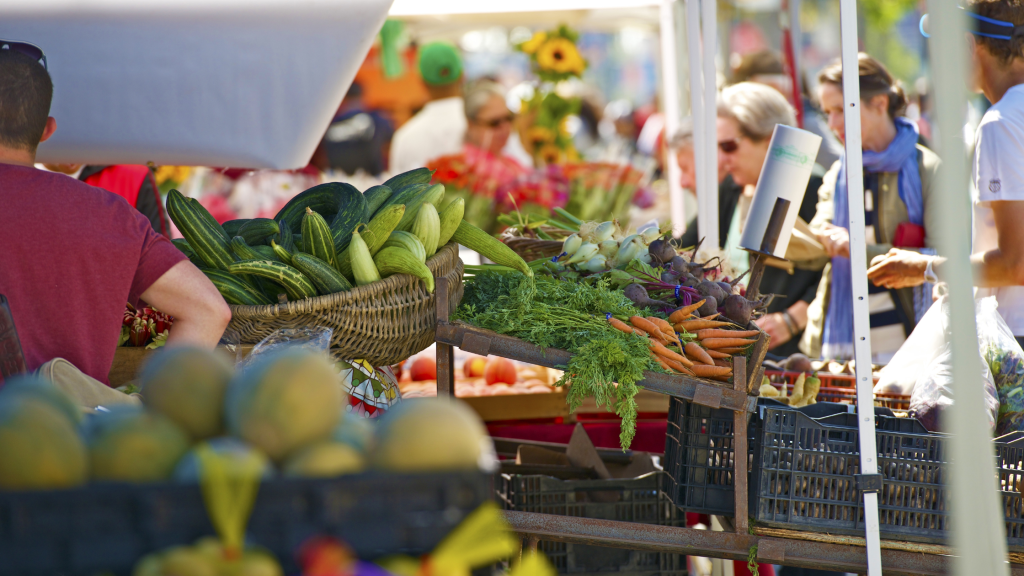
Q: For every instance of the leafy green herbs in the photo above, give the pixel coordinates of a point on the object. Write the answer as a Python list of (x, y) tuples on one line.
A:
[(569, 316)]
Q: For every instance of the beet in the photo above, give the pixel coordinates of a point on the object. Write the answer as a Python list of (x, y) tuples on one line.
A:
[(661, 251), (726, 286), (710, 306), (798, 363), (669, 277), (712, 289), (739, 309), (638, 295)]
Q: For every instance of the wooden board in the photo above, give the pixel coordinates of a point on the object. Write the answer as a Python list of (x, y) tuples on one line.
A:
[(646, 401), (128, 360), (519, 406)]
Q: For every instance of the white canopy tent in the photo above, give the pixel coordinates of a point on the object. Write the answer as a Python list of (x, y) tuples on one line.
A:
[(241, 83)]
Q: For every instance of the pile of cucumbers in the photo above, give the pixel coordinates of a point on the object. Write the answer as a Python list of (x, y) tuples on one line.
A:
[(330, 238)]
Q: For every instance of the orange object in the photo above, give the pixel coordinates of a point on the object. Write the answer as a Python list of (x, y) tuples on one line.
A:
[(717, 354), (693, 350), (684, 312), (723, 363), (705, 371), (678, 367), (698, 324), (474, 367), (662, 325), (423, 368), (730, 350), (500, 370), (660, 350), (620, 325), (645, 325), (719, 333), (726, 342)]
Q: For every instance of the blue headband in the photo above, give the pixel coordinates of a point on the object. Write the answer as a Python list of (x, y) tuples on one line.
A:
[(983, 26)]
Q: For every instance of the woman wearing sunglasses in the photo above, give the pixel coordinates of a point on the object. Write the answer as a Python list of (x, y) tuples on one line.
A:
[(489, 121), (747, 116), (898, 173)]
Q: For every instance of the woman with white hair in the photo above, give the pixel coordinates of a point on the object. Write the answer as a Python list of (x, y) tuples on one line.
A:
[(747, 116)]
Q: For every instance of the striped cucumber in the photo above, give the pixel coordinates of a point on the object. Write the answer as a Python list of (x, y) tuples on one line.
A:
[(205, 241), (433, 195), (210, 220), (395, 260), (352, 211), (295, 283), (375, 234), (326, 279), (258, 230), (363, 268), (242, 250), (236, 291), (450, 218), (427, 227), (408, 241), (376, 196), (231, 226), (265, 253), (415, 176), (317, 239), (488, 246), (403, 196), (284, 237), (324, 198), (282, 254), (182, 245)]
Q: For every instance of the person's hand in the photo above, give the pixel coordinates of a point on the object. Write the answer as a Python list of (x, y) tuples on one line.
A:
[(939, 290), (836, 240), (898, 269), (775, 326)]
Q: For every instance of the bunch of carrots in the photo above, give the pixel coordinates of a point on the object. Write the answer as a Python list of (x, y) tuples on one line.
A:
[(707, 357)]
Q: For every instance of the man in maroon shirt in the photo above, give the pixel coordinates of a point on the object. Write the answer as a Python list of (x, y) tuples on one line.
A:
[(71, 255)]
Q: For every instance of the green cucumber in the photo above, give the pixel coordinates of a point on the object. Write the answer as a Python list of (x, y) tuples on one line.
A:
[(376, 196), (282, 254), (295, 283), (416, 176), (324, 198), (408, 241), (317, 239), (489, 247), (284, 237), (210, 220), (394, 260), (432, 195), (242, 250), (182, 245), (258, 230), (352, 211), (208, 245), (326, 279), (236, 291), (231, 226), (375, 234)]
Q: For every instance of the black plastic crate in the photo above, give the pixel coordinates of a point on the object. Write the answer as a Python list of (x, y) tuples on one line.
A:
[(699, 450), (107, 528), (805, 476), (624, 500), (1010, 467)]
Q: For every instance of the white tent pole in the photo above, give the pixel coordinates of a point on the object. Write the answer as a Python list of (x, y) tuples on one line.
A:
[(697, 112), (670, 102), (979, 536), (859, 278), (709, 29)]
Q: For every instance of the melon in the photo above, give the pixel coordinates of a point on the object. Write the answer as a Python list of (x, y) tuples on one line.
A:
[(284, 401), (187, 385), (39, 445), (430, 435), (354, 430), (43, 389), (186, 561), (130, 444), (325, 460), (235, 455)]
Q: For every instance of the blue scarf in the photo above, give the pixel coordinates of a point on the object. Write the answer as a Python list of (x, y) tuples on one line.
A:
[(900, 156)]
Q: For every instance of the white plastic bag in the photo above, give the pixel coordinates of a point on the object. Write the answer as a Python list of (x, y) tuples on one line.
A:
[(922, 346), (934, 392)]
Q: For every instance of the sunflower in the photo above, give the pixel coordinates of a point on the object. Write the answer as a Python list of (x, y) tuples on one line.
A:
[(549, 154), (561, 56), (539, 136), (531, 45)]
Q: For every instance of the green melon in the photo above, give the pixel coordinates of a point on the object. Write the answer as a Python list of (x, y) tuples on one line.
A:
[(129, 444), (356, 431), (43, 389), (430, 435), (325, 460), (39, 446), (284, 401), (187, 385), (233, 452)]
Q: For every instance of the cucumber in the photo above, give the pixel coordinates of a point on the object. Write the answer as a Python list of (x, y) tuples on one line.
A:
[(326, 279), (282, 254), (235, 291), (297, 241), (352, 211), (210, 220), (376, 196), (394, 260), (375, 234), (432, 195), (258, 230), (408, 241), (489, 247), (427, 227), (284, 237), (242, 249), (295, 283), (206, 242), (182, 245), (416, 176), (231, 226), (363, 268), (324, 198), (266, 253), (405, 196), (317, 238), (450, 218)]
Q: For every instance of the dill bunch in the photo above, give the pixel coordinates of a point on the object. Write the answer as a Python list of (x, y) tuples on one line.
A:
[(571, 316)]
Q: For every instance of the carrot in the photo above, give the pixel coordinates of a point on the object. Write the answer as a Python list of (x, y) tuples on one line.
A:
[(718, 354), (705, 371), (721, 378), (666, 353), (712, 317), (684, 312), (695, 351), (620, 325), (661, 324), (661, 362), (678, 367), (726, 342), (719, 333), (645, 325), (724, 363), (698, 324), (731, 350)]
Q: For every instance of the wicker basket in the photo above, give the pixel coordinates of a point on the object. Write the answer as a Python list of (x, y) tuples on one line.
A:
[(531, 249), (383, 323)]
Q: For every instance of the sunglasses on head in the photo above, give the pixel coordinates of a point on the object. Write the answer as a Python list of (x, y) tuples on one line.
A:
[(729, 146), (497, 122), (30, 50)]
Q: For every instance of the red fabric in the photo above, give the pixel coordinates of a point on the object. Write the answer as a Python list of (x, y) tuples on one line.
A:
[(650, 436), (123, 180), (72, 256)]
